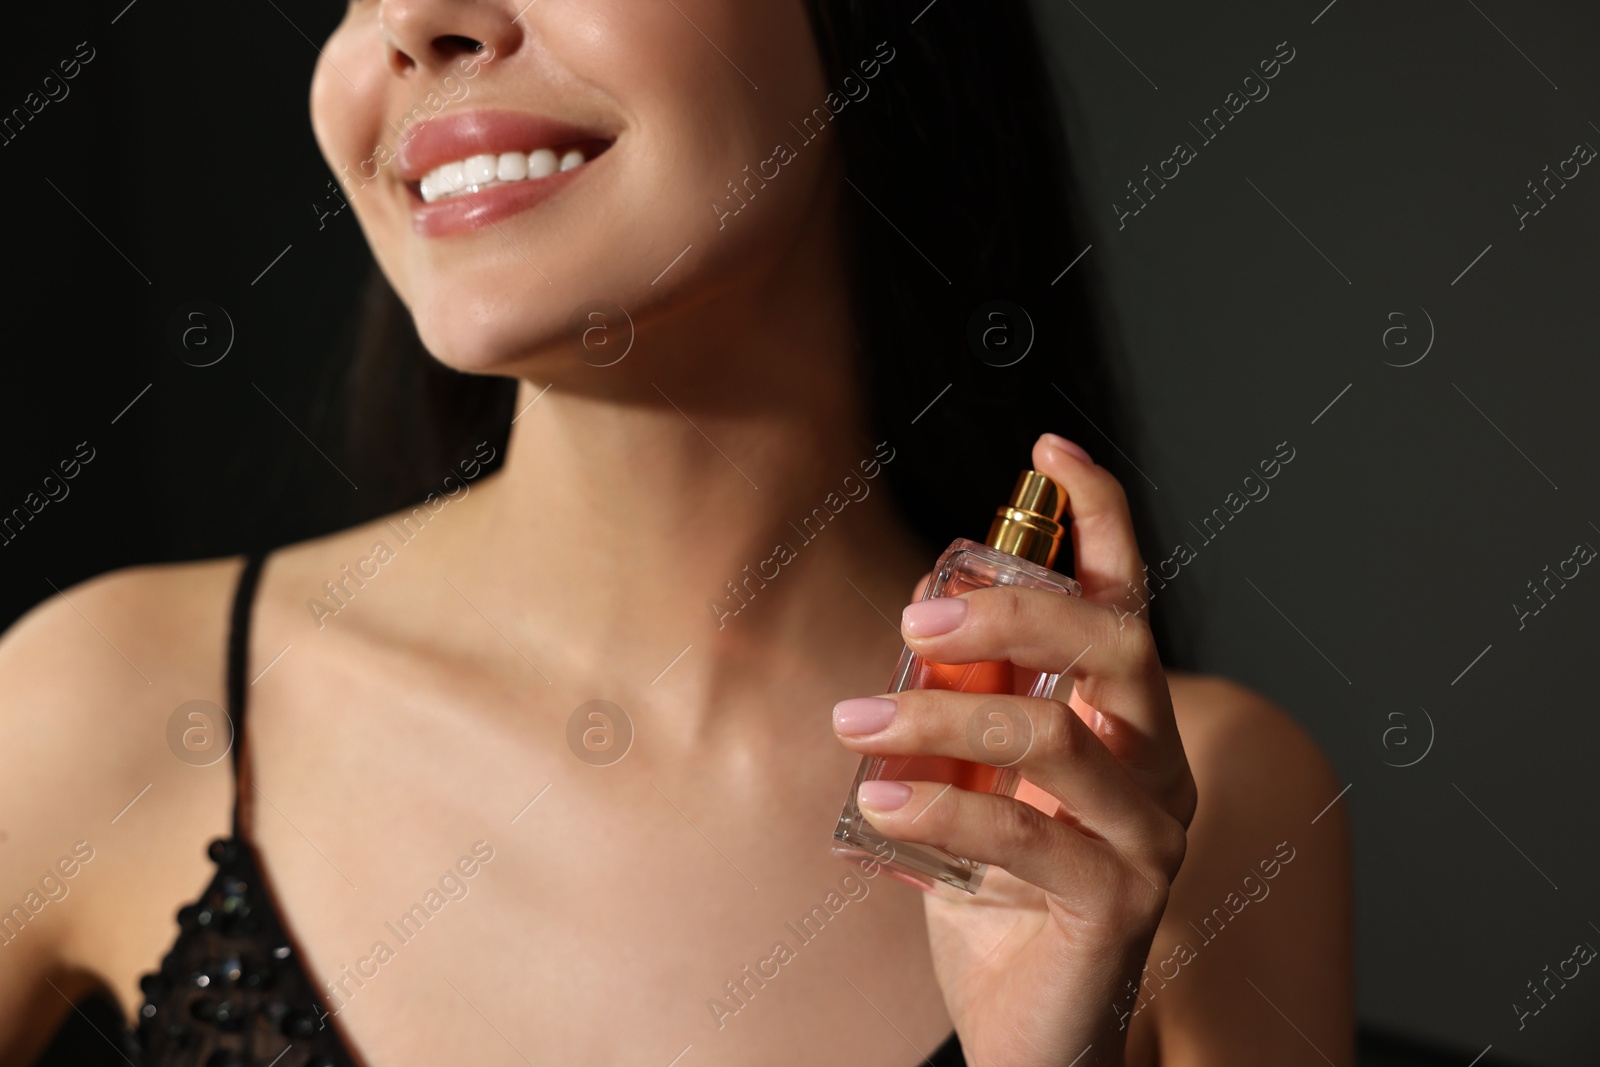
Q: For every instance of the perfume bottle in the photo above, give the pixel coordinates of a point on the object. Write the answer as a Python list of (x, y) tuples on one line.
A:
[(1022, 543)]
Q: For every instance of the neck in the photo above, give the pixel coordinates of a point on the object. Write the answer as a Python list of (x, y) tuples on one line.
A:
[(715, 490)]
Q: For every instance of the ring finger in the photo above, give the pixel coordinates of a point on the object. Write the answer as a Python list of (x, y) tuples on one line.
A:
[(1043, 740)]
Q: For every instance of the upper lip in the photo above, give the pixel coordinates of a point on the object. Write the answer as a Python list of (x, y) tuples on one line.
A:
[(435, 142)]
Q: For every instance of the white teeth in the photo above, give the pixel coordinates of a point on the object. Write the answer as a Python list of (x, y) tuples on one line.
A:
[(542, 164), (477, 172), (480, 170), (511, 167)]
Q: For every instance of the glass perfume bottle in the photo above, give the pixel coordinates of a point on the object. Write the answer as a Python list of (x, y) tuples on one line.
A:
[(1022, 543)]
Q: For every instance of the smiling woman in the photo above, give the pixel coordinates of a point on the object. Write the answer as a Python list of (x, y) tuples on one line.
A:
[(928, 182)]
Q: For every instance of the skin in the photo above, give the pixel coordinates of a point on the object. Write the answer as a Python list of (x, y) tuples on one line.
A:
[(434, 705)]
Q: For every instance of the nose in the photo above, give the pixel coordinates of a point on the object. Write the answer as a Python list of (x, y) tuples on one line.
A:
[(428, 35)]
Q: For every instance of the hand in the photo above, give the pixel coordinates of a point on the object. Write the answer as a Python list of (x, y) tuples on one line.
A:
[(1033, 964)]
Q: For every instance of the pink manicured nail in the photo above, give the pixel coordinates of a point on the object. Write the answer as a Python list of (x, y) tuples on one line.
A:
[(863, 715), (1060, 443), (883, 796), (930, 618)]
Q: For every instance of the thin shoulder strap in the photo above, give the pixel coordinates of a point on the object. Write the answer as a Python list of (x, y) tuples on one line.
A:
[(239, 663)]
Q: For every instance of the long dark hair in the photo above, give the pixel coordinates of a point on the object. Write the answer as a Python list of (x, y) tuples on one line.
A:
[(964, 195)]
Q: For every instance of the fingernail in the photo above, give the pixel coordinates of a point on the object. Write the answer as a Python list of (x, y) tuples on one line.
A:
[(883, 796), (930, 618), (1060, 443), (863, 715)]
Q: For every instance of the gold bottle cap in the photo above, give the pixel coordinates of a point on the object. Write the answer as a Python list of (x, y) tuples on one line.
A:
[(1029, 525)]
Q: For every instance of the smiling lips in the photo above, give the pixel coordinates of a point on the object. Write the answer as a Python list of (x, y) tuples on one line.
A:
[(468, 170)]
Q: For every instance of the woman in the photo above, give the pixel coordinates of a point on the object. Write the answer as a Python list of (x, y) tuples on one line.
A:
[(722, 277)]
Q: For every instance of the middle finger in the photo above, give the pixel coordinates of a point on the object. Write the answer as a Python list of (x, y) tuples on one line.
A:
[(1043, 740), (1111, 657)]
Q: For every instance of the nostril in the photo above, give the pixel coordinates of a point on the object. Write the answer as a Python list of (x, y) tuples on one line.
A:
[(443, 48), (452, 45)]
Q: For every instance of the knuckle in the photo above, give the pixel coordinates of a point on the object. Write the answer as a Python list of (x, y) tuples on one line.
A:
[(1185, 798), (923, 716), (1134, 899), (915, 706), (1148, 907), (930, 813), (1012, 604), (1053, 730), (1021, 825), (1143, 898), (1138, 643), (997, 613), (1172, 844)]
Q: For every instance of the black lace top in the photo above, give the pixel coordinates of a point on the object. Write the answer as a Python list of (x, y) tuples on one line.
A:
[(232, 991)]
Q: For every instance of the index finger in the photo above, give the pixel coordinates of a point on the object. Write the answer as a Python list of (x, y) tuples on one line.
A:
[(1106, 559)]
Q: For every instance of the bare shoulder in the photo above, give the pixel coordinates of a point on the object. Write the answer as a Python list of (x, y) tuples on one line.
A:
[(117, 761), (1253, 960), (1240, 732), (105, 821), (91, 674)]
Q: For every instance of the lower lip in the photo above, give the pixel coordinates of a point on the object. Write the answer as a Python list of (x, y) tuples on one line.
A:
[(465, 212)]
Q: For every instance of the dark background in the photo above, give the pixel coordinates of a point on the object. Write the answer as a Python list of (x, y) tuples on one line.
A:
[(1371, 593), (1392, 549)]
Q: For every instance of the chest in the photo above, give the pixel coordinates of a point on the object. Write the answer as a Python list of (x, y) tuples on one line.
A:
[(467, 889)]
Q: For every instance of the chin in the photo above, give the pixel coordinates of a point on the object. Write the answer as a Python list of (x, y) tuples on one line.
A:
[(489, 333)]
